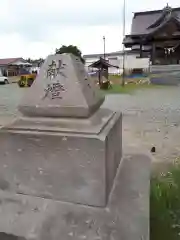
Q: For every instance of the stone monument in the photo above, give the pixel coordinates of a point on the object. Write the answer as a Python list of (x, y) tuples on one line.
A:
[(58, 164), (62, 89), (64, 147)]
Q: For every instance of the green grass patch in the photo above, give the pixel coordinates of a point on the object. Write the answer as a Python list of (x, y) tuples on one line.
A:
[(129, 88), (165, 205)]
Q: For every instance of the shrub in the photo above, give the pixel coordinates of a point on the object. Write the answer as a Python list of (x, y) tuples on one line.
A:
[(105, 85)]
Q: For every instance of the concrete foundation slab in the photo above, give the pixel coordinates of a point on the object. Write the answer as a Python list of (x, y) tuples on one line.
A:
[(126, 216)]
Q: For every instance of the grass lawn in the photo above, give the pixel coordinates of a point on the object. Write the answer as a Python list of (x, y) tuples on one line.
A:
[(129, 88), (165, 205)]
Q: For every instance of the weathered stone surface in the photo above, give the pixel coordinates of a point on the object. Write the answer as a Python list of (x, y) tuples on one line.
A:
[(5, 236), (62, 89), (91, 125), (67, 159), (126, 217)]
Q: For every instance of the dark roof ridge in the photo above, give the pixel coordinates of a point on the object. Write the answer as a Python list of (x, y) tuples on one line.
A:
[(164, 23), (153, 11), (103, 61), (165, 17), (6, 61)]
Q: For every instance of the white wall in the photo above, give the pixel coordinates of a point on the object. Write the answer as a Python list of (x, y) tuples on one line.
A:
[(35, 69), (89, 61), (131, 61), (115, 61)]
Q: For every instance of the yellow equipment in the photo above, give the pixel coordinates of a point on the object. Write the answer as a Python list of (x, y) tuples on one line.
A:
[(26, 80)]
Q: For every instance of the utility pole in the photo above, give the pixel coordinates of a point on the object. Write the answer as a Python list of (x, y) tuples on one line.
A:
[(124, 29), (104, 40)]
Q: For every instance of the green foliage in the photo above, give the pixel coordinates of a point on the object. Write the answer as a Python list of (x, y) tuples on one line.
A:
[(34, 60), (165, 206), (38, 62), (71, 49)]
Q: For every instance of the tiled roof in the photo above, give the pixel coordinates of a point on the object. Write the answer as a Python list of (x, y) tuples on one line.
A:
[(143, 20), (7, 61), (101, 62)]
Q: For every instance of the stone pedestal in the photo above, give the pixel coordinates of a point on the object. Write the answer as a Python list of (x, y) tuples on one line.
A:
[(73, 160), (65, 147)]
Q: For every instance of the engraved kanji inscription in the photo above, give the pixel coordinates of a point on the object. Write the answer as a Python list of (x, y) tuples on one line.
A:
[(54, 91), (55, 68)]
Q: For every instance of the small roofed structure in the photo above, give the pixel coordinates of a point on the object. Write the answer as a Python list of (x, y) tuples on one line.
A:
[(102, 65)]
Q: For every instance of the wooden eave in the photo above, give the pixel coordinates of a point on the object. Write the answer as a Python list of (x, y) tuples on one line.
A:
[(101, 63)]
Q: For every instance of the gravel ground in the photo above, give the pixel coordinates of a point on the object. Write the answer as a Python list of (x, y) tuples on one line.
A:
[(151, 117)]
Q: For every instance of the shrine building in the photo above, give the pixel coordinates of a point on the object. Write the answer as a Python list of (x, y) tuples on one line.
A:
[(156, 35)]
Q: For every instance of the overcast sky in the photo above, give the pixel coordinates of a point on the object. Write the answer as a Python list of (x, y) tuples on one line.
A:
[(35, 28)]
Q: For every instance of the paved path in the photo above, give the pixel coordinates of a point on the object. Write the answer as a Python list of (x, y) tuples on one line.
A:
[(151, 117)]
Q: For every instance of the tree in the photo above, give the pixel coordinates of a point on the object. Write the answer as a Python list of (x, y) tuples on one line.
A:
[(71, 49), (30, 60)]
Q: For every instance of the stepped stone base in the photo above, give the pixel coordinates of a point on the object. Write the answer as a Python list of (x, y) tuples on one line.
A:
[(73, 160)]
